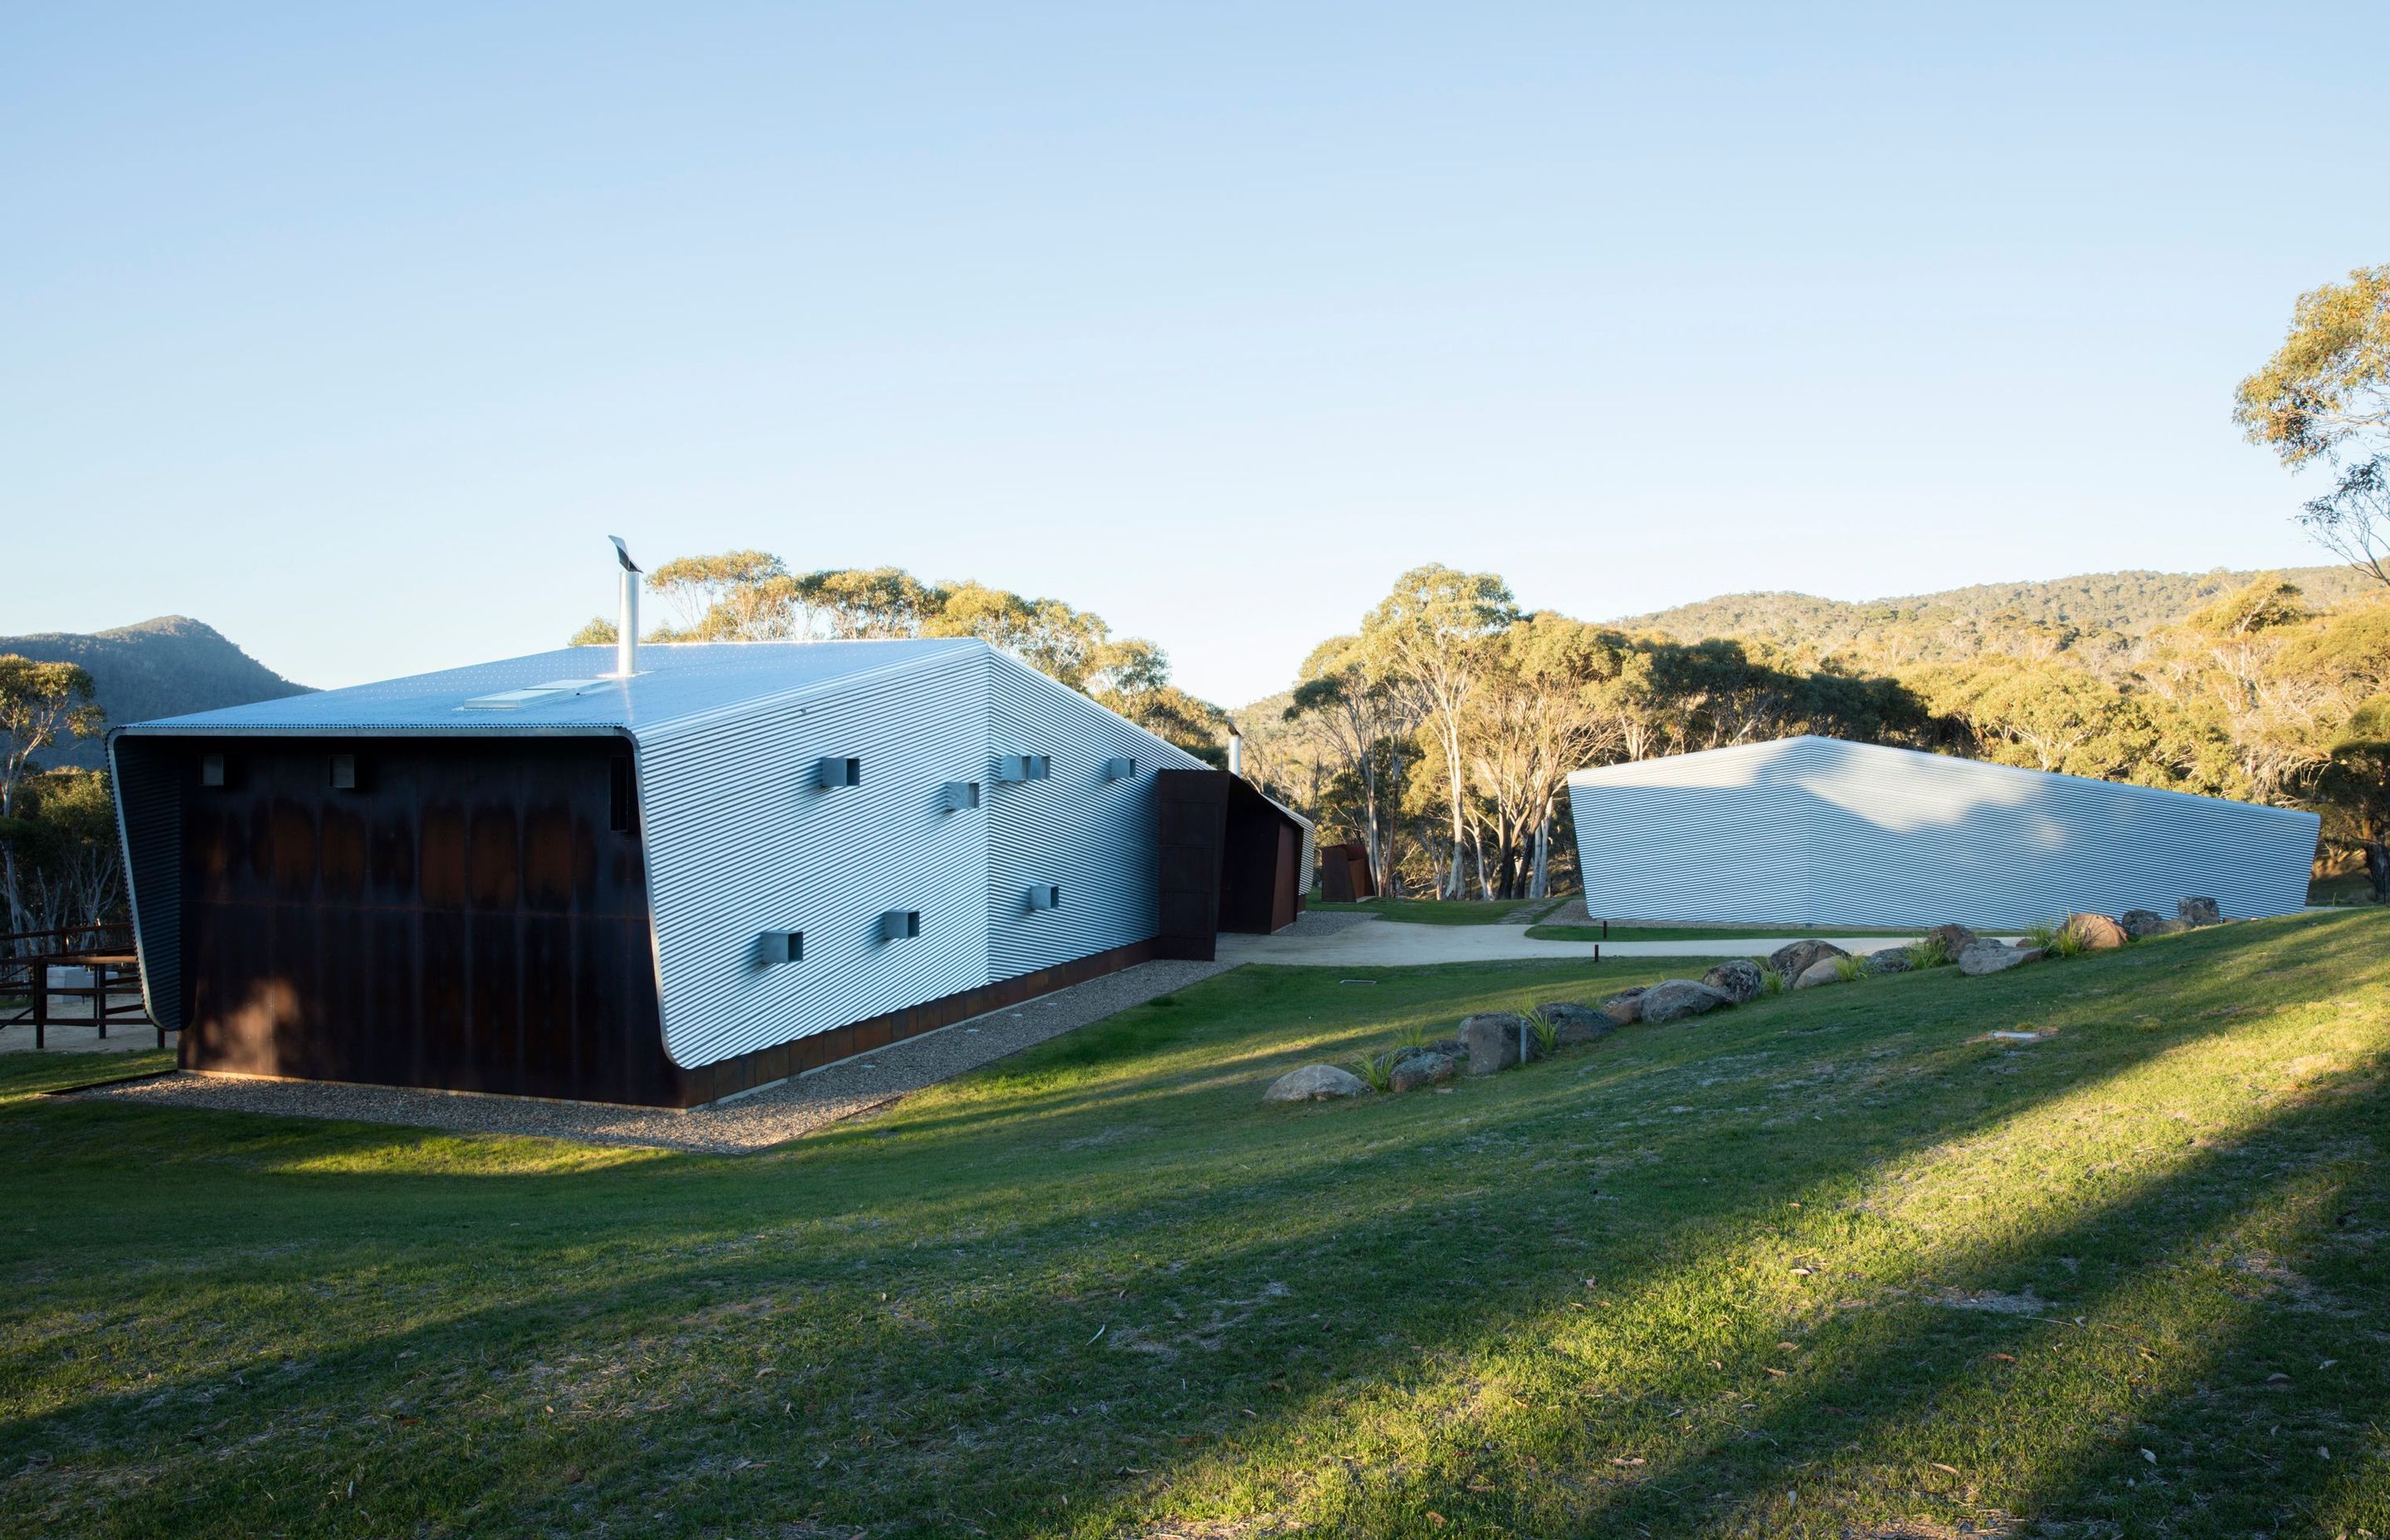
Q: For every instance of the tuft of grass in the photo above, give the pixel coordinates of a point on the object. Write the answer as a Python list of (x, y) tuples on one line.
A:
[(1546, 1033), (1377, 1071), (2044, 936), (1850, 970), (1929, 952), (1770, 982)]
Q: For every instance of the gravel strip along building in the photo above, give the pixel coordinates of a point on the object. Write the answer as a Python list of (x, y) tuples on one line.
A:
[(698, 873), (1820, 832)]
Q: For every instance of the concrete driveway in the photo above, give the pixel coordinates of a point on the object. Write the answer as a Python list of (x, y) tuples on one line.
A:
[(1395, 943)]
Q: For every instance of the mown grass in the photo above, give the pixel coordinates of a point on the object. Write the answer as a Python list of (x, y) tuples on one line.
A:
[(1777, 934), (1438, 911), (1825, 1265)]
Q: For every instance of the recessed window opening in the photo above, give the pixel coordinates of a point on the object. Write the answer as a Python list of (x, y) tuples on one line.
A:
[(343, 772), (833, 772), (1023, 767), (900, 924), (780, 946), (1045, 896), (961, 796), (212, 769), (621, 799)]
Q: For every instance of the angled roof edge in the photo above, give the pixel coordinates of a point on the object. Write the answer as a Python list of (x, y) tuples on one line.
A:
[(676, 727), (1633, 771), (1004, 659)]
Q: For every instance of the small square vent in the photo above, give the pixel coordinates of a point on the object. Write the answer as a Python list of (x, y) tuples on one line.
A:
[(1046, 895), (900, 925), (832, 773), (781, 946), (961, 796)]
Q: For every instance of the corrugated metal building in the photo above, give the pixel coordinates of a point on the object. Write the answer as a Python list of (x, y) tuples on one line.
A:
[(735, 863), (1819, 831)]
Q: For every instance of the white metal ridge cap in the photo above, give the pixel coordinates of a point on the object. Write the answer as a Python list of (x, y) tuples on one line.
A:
[(918, 659)]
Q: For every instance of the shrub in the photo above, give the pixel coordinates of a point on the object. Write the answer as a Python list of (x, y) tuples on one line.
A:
[(1377, 1071), (2067, 942), (2044, 936), (1547, 1034), (1412, 1036), (1770, 982), (1929, 952), (1850, 970)]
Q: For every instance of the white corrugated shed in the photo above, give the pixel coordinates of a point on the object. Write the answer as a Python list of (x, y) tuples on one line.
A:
[(1821, 831)]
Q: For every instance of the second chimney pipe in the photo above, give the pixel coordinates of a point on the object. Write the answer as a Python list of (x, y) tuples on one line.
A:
[(1236, 755), (626, 619)]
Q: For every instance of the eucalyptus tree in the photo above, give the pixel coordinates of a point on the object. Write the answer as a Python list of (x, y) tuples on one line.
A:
[(1429, 638), (40, 702), (2325, 396), (1365, 720)]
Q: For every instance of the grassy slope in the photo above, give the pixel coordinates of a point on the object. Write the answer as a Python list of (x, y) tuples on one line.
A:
[(1437, 911), (1777, 933), (1684, 1282)]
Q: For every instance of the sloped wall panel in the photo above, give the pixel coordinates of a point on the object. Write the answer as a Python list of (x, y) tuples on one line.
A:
[(150, 826), (743, 839), (1091, 836), (1819, 831)]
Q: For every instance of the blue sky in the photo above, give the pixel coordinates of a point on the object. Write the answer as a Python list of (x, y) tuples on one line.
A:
[(354, 333)]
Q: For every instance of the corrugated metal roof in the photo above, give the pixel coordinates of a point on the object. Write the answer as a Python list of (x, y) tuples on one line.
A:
[(679, 685)]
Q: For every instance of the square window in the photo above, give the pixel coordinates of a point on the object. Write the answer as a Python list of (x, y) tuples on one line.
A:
[(900, 924), (344, 772), (781, 946), (961, 796), (832, 773), (212, 769)]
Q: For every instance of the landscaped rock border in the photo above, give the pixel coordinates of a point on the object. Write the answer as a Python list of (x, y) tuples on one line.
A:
[(1490, 1042)]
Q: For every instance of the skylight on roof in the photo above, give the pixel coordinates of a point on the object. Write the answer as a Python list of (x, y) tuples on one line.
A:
[(515, 700)]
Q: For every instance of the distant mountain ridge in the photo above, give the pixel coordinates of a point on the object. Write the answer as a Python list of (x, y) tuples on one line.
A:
[(163, 667), (2127, 603)]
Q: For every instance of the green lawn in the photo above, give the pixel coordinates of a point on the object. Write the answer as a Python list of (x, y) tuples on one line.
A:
[(1826, 1266), (1778, 934), (1438, 911)]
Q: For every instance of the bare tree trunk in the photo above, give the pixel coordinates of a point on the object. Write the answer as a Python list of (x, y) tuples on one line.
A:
[(1539, 886)]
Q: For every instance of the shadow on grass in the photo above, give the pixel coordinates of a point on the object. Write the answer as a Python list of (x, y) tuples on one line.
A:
[(924, 1305)]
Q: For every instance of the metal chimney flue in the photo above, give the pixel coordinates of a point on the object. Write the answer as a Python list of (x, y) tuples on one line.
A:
[(626, 619), (1236, 755)]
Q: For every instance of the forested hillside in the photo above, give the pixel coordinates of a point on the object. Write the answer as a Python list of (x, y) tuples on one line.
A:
[(1963, 622), (164, 667)]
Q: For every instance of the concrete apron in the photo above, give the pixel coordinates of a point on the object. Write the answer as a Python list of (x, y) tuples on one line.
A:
[(1395, 943)]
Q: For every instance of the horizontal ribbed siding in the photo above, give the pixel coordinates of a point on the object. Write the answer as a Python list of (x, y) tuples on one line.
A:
[(1092, 836), (1819, 831), (741, 839)]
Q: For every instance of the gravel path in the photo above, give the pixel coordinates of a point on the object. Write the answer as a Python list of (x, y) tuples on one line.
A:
[(756, 1121)]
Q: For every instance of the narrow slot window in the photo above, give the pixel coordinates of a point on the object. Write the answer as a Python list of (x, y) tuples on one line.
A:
[(622, 799)]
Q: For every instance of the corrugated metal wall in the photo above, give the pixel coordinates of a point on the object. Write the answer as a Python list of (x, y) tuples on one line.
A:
[(1819, 831), (1094, 838), (741, 839), (149, 824)]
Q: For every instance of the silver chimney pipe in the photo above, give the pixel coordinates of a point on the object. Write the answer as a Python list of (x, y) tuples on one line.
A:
[(1236, 753), (626, 619)]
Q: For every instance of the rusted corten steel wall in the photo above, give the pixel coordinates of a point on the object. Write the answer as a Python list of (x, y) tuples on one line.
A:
[(465, 919)]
